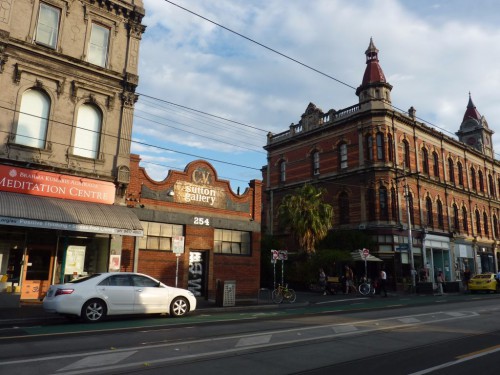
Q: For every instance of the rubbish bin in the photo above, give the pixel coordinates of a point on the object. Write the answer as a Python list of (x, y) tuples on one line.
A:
[(229, 297)]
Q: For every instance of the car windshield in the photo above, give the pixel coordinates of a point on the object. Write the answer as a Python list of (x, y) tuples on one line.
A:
[(84, 278)]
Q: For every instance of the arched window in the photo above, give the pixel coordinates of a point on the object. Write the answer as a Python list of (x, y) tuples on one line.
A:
[(282, 171), (478, 223), (380, 147), (428, 205), (88, 131), (464, 219), (451, 170), (406, 155), (394, 211), (435, 165), (344, 213), (473, 178), (495, 226), (315, 159), (492, 187), (460, 173), (343, 155), (481, 180), (390, 147), (425, 161), (33, 119), (384, 209), (456, 222), (369, 147), (486, 226), (440, 214)]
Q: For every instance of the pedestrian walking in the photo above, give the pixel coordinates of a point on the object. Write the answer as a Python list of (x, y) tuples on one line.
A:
[(440, 282), (322, 281), (466, 279), (349, 280), (383, 282)]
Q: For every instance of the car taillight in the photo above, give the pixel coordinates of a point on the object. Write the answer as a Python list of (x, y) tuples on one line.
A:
[(60, 292)]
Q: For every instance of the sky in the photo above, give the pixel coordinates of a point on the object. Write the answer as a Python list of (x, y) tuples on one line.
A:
[(216, 76)]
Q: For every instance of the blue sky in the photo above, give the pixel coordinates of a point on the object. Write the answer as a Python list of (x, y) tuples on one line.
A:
[(432, 53)]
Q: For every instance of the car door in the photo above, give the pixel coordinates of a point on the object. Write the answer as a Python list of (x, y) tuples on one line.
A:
[(118, 292), (150, 295)]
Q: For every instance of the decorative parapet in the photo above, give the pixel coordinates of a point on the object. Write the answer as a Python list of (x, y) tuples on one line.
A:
[(325, 120)]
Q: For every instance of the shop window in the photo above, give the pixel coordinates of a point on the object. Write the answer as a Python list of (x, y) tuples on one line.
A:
[(88, 132), (158, 236), (48, 25), (231, 242), (33, 119), (98, 45)]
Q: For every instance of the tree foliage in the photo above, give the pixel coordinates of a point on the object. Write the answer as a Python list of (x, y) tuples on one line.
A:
[(307, 216)]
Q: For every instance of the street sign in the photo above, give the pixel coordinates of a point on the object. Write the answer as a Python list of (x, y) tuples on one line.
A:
[(178, 245), (366, 252), (402, 247)]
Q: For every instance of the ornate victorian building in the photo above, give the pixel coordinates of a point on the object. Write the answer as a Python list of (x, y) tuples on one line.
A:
[(68, 72), (426, 199)]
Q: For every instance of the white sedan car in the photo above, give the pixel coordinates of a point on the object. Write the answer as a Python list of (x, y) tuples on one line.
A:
[(94, 297)]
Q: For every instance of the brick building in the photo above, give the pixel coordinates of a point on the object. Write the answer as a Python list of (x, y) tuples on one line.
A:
[(68, 72), (196, 230), (424, 197)]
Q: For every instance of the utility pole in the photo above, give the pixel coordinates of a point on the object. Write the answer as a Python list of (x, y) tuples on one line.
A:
[(410, 238)]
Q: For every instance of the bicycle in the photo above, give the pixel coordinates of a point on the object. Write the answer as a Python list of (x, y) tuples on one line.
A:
[(366, 288), (283, 293)]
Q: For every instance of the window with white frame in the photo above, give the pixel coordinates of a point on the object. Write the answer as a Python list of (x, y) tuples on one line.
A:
[(33, 119), (343, 155), (98, 46), (231, 242), (48, 25), (315, 163), (88, 132), (158, 236)]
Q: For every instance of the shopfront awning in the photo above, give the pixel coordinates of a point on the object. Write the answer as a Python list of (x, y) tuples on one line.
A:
[(60, 214), (358, 256)]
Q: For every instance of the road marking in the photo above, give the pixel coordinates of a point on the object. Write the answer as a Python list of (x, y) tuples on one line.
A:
[(255, 340), (98, 360), (461, 359)]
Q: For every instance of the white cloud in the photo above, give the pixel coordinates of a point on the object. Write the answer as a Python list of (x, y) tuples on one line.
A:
[(432, 53)]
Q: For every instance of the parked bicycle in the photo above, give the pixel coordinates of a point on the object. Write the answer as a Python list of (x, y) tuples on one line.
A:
[(366, 287), (283, 293)]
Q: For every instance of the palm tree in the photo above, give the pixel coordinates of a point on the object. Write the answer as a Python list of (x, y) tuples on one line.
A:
[(306, 215)]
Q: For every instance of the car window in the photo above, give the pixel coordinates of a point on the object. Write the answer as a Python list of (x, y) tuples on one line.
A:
[(116, 280), (144, 281), (84, 278)]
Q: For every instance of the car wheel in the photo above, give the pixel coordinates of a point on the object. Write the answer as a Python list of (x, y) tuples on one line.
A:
[(94, 311), (179, 307)]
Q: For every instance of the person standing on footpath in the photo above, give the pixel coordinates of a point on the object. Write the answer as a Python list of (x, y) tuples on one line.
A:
[(383, 282), (322, 281), (349, 280), (440, 282), (466, 279)]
